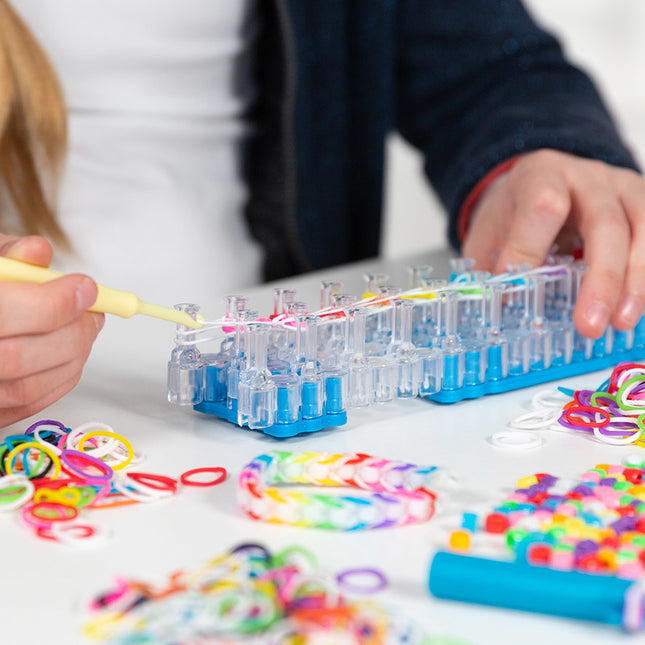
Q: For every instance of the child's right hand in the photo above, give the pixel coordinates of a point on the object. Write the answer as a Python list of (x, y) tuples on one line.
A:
[(46, 333)]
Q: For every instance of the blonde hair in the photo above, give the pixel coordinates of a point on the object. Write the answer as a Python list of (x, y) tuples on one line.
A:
[(33, 127)]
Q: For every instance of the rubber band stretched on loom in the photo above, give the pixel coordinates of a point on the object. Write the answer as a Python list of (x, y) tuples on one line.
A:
[(400, 492)]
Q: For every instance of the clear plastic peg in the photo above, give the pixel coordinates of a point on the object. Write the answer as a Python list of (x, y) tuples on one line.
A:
[(257, 391), (312, 385), (185, 368), (498, 348), (419, 275), (359, 373), (459, 266), (541, 352), (328, 289), (405, 354), (233, 304), (238, 361), (373, 283), (282, 298), (451, 346)]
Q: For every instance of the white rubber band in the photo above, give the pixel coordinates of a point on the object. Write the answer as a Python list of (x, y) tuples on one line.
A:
[(516, 440)]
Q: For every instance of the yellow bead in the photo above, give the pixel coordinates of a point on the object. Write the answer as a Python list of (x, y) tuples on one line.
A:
[(525, 482), (460, 540)]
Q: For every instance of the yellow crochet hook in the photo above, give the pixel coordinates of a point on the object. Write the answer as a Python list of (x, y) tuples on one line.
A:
[(109, 301)]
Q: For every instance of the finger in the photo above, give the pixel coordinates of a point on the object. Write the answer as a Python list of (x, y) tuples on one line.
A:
[(486, 227), (605, 229), (631, 302), (541, 207), (61, 385), (22, 356), (32, 248), (27, 308)]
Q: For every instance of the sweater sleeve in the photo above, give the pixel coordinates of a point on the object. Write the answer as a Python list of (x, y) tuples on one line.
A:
[(479, 83)]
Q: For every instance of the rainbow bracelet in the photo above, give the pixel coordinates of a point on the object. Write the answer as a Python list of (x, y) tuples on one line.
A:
[(400, 491)]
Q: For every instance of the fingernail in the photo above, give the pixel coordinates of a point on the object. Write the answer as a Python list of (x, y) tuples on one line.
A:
[(597, 315), (630, 310), (85, 294), (100, 321)]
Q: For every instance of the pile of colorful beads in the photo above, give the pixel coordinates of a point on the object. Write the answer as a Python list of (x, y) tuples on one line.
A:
[(400, 492), (50, 474), (595, 524), (252, 595)]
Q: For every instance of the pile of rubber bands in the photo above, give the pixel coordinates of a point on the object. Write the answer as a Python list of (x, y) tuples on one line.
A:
[(613, 414), (51, 474), (399, 492), (595, 524), (250, 595)]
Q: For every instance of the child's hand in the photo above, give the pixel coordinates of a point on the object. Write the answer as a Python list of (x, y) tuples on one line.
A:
[(550, 196), (46, 334)]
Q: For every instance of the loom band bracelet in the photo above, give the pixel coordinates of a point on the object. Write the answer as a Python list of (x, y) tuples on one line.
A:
[(113, 435), (353, 581), (249, 481), (159, 482), (9, 458), (586, 412), (220, 475), (368, 474), (70, 462), (53, 512), (11, 482), (316, 470)]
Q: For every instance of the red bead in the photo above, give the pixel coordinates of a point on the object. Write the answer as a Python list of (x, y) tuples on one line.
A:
[(541, 476), (641, 556), (590, 562), (626, 511), (610, 542), (572, 495), (538, 498), (539, 554), (496, 523), (633, 475), (640, 524)]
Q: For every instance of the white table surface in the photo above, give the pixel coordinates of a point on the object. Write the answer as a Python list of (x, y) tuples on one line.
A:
[(45, 588)]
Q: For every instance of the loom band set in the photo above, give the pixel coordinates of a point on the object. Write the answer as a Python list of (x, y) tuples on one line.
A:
[(297, 371)]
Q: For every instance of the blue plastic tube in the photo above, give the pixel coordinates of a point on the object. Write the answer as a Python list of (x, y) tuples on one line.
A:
[(570, 594)]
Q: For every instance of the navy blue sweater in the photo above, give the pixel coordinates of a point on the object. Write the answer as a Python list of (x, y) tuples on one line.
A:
[(468, 82)]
